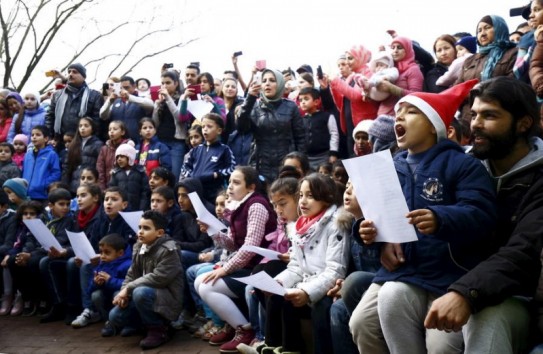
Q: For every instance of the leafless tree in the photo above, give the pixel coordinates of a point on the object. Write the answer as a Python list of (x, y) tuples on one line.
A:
[(31, 30)]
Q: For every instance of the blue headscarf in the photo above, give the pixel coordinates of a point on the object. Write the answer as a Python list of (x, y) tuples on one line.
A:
[(499, 45)]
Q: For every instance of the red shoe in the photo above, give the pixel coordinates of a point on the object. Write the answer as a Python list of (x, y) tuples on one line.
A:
[(226, 334), (243, 336)]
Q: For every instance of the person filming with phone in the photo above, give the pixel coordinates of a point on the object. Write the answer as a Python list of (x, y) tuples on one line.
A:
[(203, 90)]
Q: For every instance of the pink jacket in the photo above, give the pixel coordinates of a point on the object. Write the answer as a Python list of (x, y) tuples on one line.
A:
[(278, 239)]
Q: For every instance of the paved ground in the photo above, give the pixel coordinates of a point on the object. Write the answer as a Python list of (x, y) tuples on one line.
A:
[(21, 335)]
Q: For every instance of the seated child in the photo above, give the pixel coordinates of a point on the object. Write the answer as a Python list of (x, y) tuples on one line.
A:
[(320, 127), (16, 189), (7, 234), (41, 166), (452, 206), (211, 162), (53, 262), (383, 68), (163, 201), (465, 48), (152, 291), (20, 144), (161, 176), (130, 177), (8, 168), (108, 277)]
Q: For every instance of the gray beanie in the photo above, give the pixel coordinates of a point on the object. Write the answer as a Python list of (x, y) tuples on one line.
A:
[(383, 128), (80, 69)]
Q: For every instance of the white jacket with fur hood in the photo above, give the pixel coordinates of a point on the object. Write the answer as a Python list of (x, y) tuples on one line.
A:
[(324, 256)]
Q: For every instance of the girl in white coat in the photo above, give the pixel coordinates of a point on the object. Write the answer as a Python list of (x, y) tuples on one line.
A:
[(319, 257)]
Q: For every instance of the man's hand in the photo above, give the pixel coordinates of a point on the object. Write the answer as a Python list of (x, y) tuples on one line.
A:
[(392, 256), (448, 313), (121, 299)]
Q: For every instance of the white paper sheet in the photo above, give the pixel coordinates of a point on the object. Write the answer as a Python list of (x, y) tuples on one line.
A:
[(199, 108), (132, 218), (81, 246), (42, 234), (377, 188), (270, 254), (214, 225), (263, 281)]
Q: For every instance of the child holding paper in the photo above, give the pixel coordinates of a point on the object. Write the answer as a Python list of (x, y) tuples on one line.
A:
[(108, 277), (252, 218), (319, 257), (23, 262), (54, 262), (453, 210)]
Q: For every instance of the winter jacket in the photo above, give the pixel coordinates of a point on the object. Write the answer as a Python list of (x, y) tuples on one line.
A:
[(515, 267), (316, 265), (106, 162), (241, 146), (188, 235), (347, 91), (158, 154), (168, 126), (159, 267), (70, 118), (455, 187), (8, 170), (117, 270), (411, 80), (218, 108), (130, 113), (536, 67), (103, 226), (40, 170), (4, 129), (204, 161), (8, 227), (30, 120), (135, 184), (58, 228), (89, 157), (230, 123), (277, 128), (431, 77)]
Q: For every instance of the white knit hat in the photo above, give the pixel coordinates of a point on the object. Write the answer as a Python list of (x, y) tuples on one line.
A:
[(128, 151)]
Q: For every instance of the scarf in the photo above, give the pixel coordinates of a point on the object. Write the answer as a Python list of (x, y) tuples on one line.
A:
[(304, 223), (83, 218), (280, 87), (409, 59), (495, 50), (63, 99)]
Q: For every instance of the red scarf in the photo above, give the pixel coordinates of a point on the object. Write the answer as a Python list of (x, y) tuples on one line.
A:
[(304, 223), (84, 218)]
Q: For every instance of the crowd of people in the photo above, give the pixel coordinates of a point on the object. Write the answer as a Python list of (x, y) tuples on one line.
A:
[(266, 160)]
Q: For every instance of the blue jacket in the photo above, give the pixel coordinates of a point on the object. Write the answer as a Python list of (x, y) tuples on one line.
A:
[(105, 226), (116, 269), (204, 160), (157, 155), (459, 191), (40, 171), (30, 120)]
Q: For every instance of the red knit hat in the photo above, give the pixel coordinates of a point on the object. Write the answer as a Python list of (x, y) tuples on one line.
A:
[(440, 108)]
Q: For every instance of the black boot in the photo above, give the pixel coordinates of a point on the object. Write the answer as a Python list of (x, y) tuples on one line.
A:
[(58, 312)]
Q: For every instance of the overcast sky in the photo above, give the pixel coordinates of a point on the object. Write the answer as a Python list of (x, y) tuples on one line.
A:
[(285, 33)]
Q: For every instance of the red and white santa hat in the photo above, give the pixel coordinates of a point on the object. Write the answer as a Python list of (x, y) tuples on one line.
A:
[(439, 107)]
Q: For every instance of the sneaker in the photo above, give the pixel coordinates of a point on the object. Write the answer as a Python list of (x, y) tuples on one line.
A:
[(246, 349), (195, 324), (29, 309), (156, 336), (210, 333), (242, 336), (224, 335), (182, 321), (109, 330), (43, 308), (86, 318), (203, 329)]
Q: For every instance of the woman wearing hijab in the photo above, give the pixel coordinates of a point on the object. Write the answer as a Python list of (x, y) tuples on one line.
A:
[(275, 122), (496, 56), (410, 79), (352, 107)]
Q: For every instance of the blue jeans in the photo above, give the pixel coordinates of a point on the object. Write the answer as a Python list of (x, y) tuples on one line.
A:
[(537, 350), (257, 313), (177, 151), (53, 272), (353, 288), (189, 258), (192, 273), (139, 310), (79, 280), (102, 302)]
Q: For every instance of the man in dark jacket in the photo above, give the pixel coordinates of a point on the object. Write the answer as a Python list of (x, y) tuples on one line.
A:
[(126, 106), (504, 125), (74, 101)]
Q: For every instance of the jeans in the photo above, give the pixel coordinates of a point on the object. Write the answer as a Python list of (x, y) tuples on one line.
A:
[(257, 313), (53, 272), (192, 273), (102, 302), (177, 151), (189, 258), (139, 310), (342, 340), (78, 283)]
